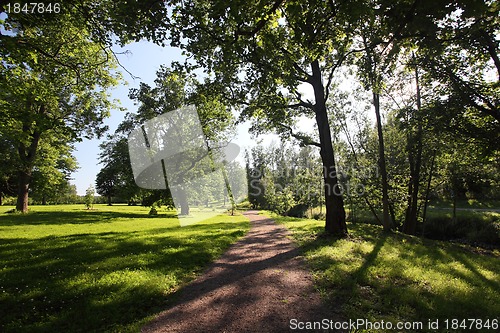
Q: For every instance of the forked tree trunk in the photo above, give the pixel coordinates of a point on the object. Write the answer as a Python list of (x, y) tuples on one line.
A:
[(335, 223)]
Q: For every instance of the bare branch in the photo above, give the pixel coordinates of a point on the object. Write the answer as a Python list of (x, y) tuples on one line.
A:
[(115, 55)]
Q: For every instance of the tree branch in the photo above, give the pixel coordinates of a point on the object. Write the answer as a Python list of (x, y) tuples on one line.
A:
[(260, 24), (304, 139), (297, 67), (492, 50)]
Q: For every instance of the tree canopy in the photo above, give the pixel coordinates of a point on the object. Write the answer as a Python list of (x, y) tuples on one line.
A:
[(261, 55), (53, 89)]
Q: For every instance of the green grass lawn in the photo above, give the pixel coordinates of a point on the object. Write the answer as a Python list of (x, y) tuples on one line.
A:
[(67, 269), (397, 277)]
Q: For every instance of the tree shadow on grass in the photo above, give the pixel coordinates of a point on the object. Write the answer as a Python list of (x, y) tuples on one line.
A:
[(404, 278), (101, 282), (73, 217)]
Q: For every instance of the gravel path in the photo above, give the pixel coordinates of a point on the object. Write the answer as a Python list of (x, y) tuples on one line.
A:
[(258, 285)]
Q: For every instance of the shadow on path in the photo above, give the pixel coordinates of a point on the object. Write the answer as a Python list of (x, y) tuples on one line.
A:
[(258, 285)]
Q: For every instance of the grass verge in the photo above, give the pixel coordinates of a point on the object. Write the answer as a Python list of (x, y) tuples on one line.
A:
[(399, 278), (67, 269)]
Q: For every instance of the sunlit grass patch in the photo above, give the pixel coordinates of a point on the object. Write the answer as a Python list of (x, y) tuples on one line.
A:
[(64, 268), (398, 277)]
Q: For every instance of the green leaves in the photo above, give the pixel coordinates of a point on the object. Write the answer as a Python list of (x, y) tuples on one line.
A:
[(53, 92)]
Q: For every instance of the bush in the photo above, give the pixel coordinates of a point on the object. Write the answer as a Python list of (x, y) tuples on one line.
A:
[(472, 227), (244, 205), (299, 210)]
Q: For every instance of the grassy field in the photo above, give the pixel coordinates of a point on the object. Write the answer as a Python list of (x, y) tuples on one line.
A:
[(67, 269), (399, 278)]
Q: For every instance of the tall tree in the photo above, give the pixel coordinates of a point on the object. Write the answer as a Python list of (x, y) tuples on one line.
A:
[(259, 53), (53, 82), (116, 177), (172, 90)]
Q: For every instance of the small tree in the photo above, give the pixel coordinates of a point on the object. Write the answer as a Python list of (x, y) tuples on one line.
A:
[(89, 197)]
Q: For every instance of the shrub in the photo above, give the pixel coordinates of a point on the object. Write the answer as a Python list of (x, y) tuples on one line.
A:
[(299, 210), (477, 228)]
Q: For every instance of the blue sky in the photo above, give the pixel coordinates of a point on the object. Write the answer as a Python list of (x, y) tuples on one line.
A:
[(143, 61)]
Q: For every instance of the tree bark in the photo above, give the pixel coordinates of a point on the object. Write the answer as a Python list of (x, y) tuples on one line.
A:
[(23, 189), (109, 200), (410, 225), (335, 223), (386, 220), (183, 201), (428, 191), (27, 156)]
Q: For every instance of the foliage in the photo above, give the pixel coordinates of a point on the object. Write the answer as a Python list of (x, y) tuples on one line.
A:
[(89, 197), (8, 184), (116, 177), (109, 269), (282, 177), (53, 82), (463, 57), (172, 90), (51, 175)]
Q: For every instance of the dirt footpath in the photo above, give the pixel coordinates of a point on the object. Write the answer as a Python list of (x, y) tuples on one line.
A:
[(258, 285)]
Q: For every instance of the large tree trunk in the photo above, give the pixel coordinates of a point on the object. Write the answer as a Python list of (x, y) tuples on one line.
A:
[(109, 200), (22, 193), (386, 220), (27, 156), (334, 202)]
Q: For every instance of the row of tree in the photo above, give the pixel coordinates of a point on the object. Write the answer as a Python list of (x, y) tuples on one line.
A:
[(288, 179), (172, 90), (261, 54), (258, 57), (54, 77)]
